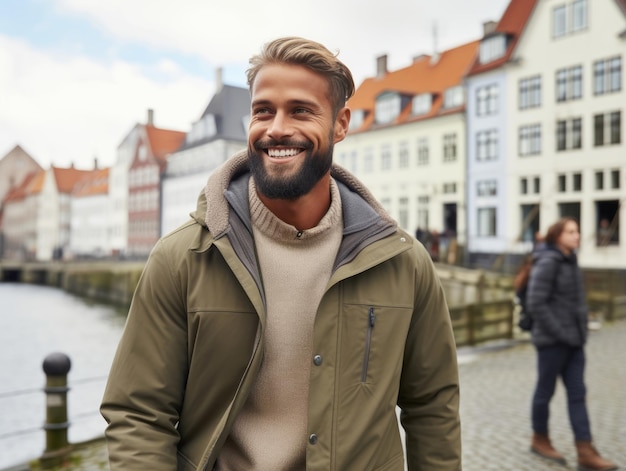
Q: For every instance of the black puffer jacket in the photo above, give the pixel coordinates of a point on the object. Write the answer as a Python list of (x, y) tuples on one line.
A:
[(556, 299)]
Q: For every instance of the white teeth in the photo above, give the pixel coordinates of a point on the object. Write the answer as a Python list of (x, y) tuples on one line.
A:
[(276, 153)]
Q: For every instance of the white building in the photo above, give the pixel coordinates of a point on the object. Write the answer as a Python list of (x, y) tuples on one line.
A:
[(90, 227), (407, 140), (220, 132), (545, 122)]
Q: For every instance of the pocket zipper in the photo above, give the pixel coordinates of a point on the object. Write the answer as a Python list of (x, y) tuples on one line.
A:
[(371, 320)]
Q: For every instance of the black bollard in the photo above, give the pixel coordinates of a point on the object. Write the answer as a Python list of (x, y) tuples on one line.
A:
[(56, 366)]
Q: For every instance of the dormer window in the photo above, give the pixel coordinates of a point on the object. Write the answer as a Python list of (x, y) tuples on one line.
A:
[(422, 104), (453, 97), (492, 48), (356, 119), (202, 129), (388, 106)]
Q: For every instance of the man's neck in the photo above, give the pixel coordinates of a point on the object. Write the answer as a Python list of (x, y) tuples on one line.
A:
[(305, 212)]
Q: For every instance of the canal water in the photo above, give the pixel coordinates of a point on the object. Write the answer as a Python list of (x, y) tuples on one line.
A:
[(34, 322)]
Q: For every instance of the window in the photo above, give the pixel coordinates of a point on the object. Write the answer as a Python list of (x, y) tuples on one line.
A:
[(530, 140), (422, 104), (607, 128), (422, 211), (570, 18), (486, 222), (403, 212), (368, 161), (569, 134), (449, 188), (523, 186), (422, 151), (487, 188), (449, 147), (403, 155), (607, 220), (569, 83), (615, 179), (561, 183), (453, 97), (607, 76), (385, 157), (487, 100), (537, 185), (530, 92), (577, 182), (579, 15), (492, 48), (356, 119), (559, 24), (387, 107), (487, 145), (599, 179)]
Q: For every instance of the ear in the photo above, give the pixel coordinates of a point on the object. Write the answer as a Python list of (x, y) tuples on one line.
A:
[(342, 122)]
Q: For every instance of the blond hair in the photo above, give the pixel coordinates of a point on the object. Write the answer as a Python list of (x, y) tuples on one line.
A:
[(312, 55)]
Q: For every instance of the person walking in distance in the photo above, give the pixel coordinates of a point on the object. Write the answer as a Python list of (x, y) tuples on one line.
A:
[(556, 300), (282, 325)]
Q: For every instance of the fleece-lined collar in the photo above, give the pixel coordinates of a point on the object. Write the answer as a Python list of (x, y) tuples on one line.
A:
[(213, 208)]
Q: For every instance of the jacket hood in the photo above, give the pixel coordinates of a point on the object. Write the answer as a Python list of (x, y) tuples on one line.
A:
[(213, 208), (553, 252)]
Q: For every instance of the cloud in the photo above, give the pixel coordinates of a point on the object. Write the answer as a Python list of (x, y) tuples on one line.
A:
[(66, 109)]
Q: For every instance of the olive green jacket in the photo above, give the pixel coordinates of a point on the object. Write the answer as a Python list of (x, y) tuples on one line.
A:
[(193, 344)]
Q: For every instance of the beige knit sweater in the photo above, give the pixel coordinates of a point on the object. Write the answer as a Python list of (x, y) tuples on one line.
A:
[(271, 432)]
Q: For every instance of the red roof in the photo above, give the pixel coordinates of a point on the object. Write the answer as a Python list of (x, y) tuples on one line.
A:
[(30, 185), (424, 75), (163, 141), (96, 182), (66, 178)]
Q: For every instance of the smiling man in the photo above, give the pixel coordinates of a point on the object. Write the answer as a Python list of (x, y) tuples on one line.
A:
[(280, 328)]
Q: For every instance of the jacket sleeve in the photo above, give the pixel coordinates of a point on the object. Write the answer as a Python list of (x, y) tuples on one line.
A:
[(429, 389), (541, 285), (143, 396)]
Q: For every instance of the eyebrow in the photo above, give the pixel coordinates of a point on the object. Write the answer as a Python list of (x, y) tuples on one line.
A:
[(295, 102)]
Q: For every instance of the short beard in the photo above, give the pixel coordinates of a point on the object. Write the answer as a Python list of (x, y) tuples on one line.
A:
[(292, 187)]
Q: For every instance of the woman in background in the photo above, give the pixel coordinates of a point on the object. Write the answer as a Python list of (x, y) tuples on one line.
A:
[(556, 300)]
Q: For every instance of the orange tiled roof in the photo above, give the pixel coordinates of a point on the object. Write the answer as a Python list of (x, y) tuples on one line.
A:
[(96, 182), (66, 178), (424, 75), (163, 141), (30, 185), (512, 24)]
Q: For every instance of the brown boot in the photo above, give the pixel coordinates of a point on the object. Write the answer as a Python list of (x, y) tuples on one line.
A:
[(542, 446), (590, 460)]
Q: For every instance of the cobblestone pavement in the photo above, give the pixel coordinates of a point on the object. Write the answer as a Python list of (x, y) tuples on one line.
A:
[(497, 383), (496, 390)]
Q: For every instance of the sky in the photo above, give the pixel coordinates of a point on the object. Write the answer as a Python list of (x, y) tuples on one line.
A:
[(77, 75)]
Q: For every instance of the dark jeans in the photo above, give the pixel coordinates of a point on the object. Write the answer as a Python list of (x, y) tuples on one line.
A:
[(568, 363)]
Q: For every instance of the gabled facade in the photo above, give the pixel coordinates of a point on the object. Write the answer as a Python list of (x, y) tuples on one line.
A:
[(15, 166), (54, 214), (21, 208), (561, 141), (220, 132), (90, 208), (152, 146), (488, 137), (407, 140)]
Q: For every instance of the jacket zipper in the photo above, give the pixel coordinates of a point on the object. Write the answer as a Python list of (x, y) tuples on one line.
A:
[(371, 320)]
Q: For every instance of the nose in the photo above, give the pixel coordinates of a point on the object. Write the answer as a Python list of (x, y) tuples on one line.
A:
[(280, 126)]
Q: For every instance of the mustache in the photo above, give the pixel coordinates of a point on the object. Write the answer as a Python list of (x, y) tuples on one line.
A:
[(264, 144)]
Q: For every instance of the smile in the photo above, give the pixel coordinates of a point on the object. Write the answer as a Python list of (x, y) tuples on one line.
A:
[(282, 153)]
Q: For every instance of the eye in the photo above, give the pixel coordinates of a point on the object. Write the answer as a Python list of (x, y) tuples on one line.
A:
[(301, 110), (262, 111)]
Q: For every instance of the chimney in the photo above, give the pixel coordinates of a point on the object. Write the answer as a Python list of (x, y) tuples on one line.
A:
[(489, 27), (150, 117), (381, 66), (218, 80), (95, 163)]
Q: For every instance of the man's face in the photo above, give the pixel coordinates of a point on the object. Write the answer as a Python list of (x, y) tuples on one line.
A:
[(292, 131)]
